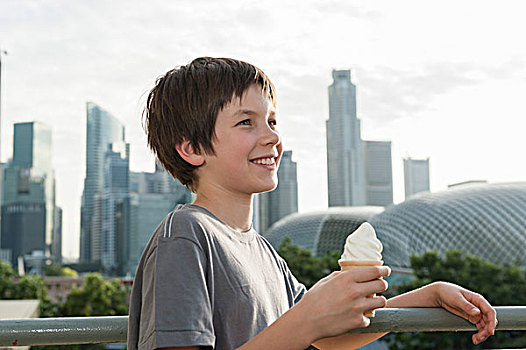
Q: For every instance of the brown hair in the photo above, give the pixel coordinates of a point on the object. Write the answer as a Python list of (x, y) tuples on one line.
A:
[(184, 105)]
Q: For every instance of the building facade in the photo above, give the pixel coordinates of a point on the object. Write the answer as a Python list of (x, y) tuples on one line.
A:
[(378, 173), (29, 213), (274, 205), (152, 197), (345, 159), (359, 172), (116, 190), (416, 176), (102, 129), (484, 220)]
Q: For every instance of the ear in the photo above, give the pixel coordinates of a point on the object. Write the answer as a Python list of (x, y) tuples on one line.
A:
[(189, 154)]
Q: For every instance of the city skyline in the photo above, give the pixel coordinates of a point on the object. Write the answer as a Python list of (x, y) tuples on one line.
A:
[(435, 79)]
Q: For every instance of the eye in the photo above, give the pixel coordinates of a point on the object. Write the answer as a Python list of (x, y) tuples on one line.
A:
[(245, 122), (272, 122)]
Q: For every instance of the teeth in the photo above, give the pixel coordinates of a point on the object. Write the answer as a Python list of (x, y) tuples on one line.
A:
[(264, 161)]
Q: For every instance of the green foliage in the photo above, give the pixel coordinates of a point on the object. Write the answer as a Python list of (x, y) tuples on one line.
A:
[(499, 284), (97, 297), (307, 268), (67, 272), (52, 270), (57, 270), (31, 287), (6, 280), (82, 267)]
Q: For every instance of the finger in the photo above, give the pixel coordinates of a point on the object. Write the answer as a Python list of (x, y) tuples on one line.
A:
[(375, 302), (465, 309), (365, 322), (480, 302), (484, 331), (364, 289), (481, 324), (373, 287), (478, 338), (487, 311), (369, 273)]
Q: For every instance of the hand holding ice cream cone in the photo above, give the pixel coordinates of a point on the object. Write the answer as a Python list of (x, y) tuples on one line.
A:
[(362, 248)]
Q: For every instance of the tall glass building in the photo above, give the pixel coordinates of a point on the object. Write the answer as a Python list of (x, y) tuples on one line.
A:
[(102, 129), (152, 197), (378, 173), (416, 176), (359, 172), (345, 171), (116, 189), (28, 205), (283, 201)]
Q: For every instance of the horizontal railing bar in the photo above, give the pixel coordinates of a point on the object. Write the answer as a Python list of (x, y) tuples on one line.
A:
[(63, 330), (112, 329), (438, 320)]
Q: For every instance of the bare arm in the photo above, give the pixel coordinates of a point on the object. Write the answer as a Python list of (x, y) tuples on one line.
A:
[(457, 300), (332, 306), (453, 298)]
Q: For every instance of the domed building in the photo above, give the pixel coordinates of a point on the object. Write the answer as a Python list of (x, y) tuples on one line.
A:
[(488, 221), (321, 231)]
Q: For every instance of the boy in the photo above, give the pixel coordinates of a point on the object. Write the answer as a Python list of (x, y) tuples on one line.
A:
[(206, 279)]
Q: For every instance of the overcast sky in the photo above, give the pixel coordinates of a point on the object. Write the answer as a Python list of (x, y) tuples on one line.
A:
[(444, 79)]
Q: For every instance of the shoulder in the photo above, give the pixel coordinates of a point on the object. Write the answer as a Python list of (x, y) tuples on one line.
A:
[(185, 222), (271, 251), (264, 242)]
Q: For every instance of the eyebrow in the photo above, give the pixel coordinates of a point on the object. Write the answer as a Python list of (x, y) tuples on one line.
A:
[(241, 112)]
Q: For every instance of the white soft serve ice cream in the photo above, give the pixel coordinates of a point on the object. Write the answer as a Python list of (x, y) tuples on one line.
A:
[(363, 245)]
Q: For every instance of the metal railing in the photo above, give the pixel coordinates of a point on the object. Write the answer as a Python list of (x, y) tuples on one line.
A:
[(113, 329)]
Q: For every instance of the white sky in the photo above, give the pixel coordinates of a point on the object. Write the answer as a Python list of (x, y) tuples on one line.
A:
[(445, 80)]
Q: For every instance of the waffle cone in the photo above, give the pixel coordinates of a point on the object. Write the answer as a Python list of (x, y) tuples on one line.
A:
[(352, 264), (349, 264)]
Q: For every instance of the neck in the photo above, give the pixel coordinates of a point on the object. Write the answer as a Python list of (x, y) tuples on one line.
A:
[(233, 209)]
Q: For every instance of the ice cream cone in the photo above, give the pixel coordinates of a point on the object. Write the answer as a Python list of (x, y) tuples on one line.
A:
[(352, 264)]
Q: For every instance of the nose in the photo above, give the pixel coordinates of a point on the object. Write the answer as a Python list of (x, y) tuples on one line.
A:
[(271, 136)]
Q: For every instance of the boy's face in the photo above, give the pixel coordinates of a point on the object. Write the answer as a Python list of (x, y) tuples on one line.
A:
[(247, 146)]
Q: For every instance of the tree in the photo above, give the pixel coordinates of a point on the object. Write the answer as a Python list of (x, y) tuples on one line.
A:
[(6, 280), (96, 297), (499, 284), (57, 270), (30, 287), (307, 268), (67, 272)]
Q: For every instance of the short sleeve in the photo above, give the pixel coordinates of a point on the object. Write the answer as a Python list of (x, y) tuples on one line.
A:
[(181, 303), (295, 289), (298, 289)]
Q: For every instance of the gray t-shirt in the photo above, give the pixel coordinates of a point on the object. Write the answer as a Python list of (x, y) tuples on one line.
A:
[(201, 283)]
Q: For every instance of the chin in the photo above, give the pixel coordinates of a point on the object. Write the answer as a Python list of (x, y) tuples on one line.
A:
[(268, 188)]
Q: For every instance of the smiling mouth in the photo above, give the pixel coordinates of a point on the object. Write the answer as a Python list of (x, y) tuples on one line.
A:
[(264, 161)]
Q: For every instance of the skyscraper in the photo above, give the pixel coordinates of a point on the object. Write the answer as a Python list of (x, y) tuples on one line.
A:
[(345, 158), (28, 206), (378, 173), (102, 129), (283, 201), (152, 197), (416, 176), (116, 189), (359, 172)]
